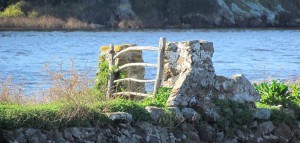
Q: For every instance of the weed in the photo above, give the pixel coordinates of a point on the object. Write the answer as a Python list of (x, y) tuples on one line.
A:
[(160, 99), (277, 115), (234, 114), (10, 92), (274, 93), (168, 119), (138, 112)]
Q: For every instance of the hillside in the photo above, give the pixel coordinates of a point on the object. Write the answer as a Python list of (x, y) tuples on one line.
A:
[(149, 14)]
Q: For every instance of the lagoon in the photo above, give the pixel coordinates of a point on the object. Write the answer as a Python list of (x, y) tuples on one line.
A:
[(259, 54)]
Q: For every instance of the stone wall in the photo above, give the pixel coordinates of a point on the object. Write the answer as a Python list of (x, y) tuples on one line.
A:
[(195, 116)]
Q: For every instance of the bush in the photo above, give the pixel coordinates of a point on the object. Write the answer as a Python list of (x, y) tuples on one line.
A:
[(234, 114), (13, 10), (277, 93), (274, 93)]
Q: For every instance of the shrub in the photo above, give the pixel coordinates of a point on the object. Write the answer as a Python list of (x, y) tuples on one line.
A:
[(274, 93), (233, 114), (13, 10)]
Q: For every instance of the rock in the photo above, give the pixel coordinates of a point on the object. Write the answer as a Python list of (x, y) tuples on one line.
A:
[(240, 134), (243, 90), (267, 127), (178, 114), (190, 114), (67, 134), (253, 124), (29, 132), (34, 139), (283, 131), (220, 137), (155, 112), (2, 139), (121, 117), (209, 112), (58, 137), (42, 137), (262, 114), (206, 133)]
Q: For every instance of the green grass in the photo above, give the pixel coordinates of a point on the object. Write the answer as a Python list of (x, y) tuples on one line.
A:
[(49, 116), (63, 113)]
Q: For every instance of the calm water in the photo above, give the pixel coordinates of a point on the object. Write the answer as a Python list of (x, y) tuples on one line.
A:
[(258, 54)]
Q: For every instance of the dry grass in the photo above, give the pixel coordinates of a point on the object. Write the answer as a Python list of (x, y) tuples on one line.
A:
[(43, 22), (10, 92), (66, 86)]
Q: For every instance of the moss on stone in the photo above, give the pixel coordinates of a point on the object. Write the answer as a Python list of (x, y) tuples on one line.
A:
[(117, 48)]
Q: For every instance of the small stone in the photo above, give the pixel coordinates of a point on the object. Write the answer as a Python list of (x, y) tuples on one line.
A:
[(190, 114), (209, 112), (283, 131), (178, 114), (267, 127), (29, 132), (253, 124), (262, 114), (121, 117), (239, 134), (155, 112)]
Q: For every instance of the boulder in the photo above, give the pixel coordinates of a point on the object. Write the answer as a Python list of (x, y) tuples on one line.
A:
[(120, 117), (267, 127), (262, 114)]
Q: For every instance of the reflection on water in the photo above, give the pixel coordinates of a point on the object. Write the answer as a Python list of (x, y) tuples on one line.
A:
[(256, 53)]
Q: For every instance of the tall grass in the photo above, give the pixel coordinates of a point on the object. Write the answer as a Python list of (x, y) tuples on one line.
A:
[(43, 22)]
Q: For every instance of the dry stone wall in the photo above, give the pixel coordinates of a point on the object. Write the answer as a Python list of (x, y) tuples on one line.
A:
[(195, 116)]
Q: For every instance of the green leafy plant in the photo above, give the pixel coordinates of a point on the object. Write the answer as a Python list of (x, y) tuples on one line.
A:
[(274, 93), (160, 99)]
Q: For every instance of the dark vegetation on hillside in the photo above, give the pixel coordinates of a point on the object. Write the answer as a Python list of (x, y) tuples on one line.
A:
[(149, 13)]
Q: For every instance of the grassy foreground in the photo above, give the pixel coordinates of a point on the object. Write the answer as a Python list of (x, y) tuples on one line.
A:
[(70, 101)]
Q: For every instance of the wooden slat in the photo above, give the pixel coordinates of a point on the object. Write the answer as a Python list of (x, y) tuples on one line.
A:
[(160, 60), (150, 48), (136, 64), (133, 79), (111, 79), (133, 93)]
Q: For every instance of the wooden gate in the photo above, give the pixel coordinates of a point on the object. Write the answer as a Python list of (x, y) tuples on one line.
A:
[(159, 66)]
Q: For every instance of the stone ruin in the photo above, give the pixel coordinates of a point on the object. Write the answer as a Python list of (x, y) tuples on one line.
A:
[(190, 73)]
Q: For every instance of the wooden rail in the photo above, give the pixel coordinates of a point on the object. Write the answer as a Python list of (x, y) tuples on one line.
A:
[(160, 68), (136, 48), (136, 64)]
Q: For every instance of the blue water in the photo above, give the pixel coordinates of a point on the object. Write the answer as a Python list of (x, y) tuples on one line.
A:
[(258, 54)]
